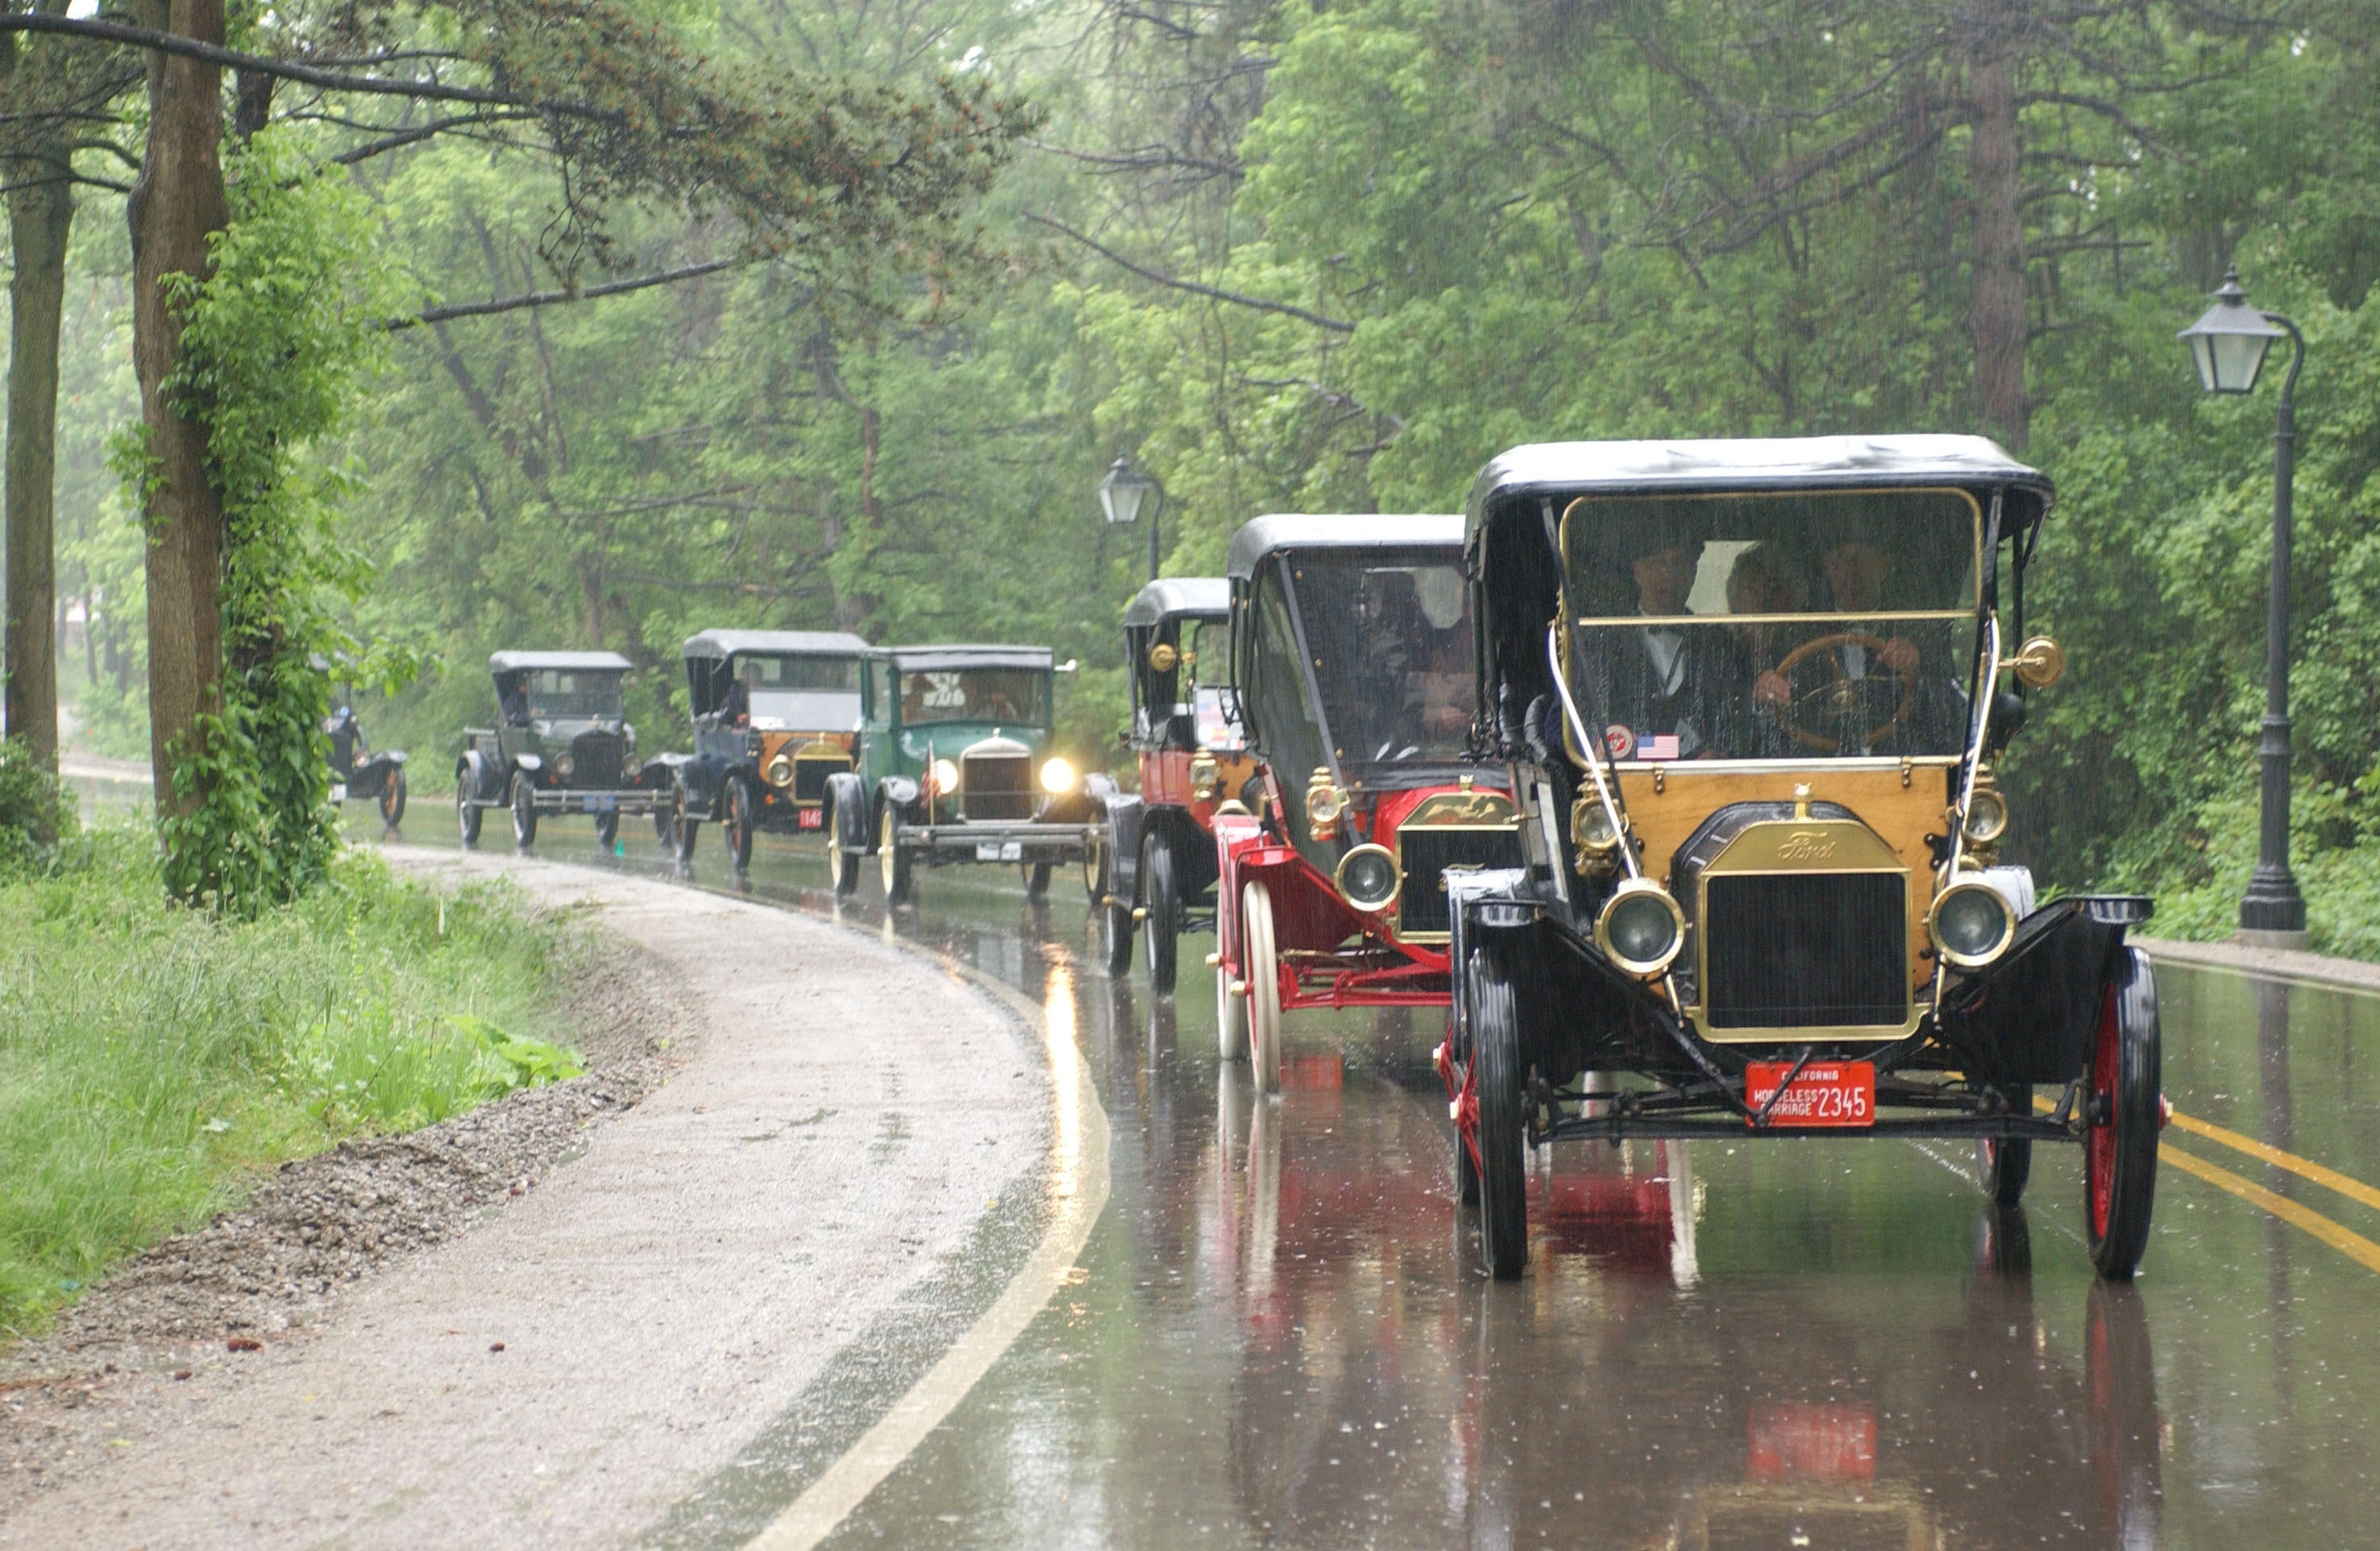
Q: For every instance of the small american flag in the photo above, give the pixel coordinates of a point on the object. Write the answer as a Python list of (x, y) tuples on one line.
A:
[(1656, 746)]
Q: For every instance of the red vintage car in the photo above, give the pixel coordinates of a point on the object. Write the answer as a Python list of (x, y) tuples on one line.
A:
[(1352, 662)]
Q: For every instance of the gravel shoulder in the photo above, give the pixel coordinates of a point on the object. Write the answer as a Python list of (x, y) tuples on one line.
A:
[(548, 1322)]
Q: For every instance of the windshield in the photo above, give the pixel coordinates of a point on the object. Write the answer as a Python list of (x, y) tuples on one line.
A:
[(1389, 645), (1769, 626), (558, 695), (1209, 642), (1000, 695), (816, 694)]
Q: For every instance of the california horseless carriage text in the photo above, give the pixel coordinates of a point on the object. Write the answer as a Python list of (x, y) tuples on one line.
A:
[(954, 768), (561, 744), (1154, 865), (776, 714), (1352, 643), (1758, 896)]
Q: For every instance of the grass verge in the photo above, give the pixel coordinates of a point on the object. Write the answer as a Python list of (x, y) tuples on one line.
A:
[(153, 1059)]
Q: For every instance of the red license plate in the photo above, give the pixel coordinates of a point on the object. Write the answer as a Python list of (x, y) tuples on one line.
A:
[(1826, 1093), (811, 818)]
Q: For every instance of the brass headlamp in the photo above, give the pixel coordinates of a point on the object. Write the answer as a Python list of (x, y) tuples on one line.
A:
[(1204, 776), (1325, 804), (1591, 832)]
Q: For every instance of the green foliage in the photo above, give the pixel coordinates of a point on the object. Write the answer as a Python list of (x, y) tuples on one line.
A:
[(275, 342), (153, 1060), (36, 812)]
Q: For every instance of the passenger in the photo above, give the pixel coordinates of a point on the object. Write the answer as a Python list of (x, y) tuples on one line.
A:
[(1445, 683), (514, 699), (1671, 679)]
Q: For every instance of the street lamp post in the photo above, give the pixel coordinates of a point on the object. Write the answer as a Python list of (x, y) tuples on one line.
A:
[(1122, 495), (2229, 345)]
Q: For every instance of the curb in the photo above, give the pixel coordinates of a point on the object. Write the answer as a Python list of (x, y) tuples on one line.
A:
[(2269, 963)]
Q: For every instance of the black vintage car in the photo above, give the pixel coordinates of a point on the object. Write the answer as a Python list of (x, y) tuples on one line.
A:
[(1748, 694), (561, 744), (775, 714), (359, 773)]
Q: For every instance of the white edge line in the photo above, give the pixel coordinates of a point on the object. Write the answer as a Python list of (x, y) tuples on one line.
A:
[(829, 1499)]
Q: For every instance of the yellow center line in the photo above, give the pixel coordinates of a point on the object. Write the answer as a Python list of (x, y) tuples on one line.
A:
[(2354, 1246), (2330, 1179)]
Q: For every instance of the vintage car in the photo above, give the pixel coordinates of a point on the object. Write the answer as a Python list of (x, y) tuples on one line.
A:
[(1749, 693), (360, 775), (1155, 864), (776, 712), (1352, 651), (952, 769), (561, 744)]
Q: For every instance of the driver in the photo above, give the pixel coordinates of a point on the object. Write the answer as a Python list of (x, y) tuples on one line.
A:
[(737, 708), (1670, 690), (1858, 571)]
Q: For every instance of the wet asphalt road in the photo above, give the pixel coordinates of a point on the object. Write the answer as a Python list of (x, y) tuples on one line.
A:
[(1279, 1336)]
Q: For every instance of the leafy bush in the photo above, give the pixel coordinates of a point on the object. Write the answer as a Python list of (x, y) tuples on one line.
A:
[(35, 811), (152, 1058)]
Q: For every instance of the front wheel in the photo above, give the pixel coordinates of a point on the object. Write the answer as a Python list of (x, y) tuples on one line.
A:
[(1262, 964), (1494, 1017), (607, 828), (897, 866), (2005, 1162), (392, 797), (665, 826), (1036, 880), (683, 828), (841, 865), (524, 813), (467, 813), (1163, 925), (738, 832), (2120, 1150)]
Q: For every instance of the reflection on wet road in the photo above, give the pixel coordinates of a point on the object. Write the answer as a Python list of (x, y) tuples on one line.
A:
[(1282, 1338)]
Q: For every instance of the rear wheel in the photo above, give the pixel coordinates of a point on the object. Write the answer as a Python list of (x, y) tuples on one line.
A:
[(1496, 1082), (897, 866), (392, 797), (1263, 968), (739, 834), (607, 828), (1036, 880), (2119, 1148), (2006, 1163), (467, 813), (1113, 915), (524, 813), (1163, 922)]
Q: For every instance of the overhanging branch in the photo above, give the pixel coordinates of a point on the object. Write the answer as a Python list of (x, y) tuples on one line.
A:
[(549, 299), (1337, 325), (235, 59)]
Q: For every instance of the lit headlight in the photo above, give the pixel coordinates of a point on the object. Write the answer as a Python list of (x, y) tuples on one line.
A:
[(1367, 878), (1971, 925), (1056, 777), (780, 772), (565, 765), (1641, 928), (945, 778), (1987, 818), (1590, 826)]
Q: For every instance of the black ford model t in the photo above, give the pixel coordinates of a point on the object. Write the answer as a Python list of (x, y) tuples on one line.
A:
[(776, 712), (561, 744), (1752, 750)]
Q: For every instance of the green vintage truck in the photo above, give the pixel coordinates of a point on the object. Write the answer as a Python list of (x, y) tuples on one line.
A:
[(953, 766)]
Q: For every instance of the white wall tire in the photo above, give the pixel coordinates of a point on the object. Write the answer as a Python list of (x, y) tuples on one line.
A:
[(1263, 969), (1230, 1020)]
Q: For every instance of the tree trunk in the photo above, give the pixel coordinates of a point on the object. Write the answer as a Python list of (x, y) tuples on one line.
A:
[(1995, 317), (177, 202), (40, 216)]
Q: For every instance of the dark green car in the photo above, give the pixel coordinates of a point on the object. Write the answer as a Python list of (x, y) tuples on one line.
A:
[(953, 766)]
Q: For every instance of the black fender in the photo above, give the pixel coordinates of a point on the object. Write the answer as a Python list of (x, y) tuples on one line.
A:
[(2033, 1015), (475, 773), (1074, 807), (703, 780), (847, 794), (899, 791), (1124, 812), (370, 778)]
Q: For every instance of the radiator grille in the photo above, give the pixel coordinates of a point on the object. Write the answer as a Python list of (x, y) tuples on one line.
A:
[(996, 786), (595, 760), (1425, 852), (1805, 950), (810, 773)]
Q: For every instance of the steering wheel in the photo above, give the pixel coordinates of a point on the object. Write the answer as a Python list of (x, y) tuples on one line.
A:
[(1841, 697)]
